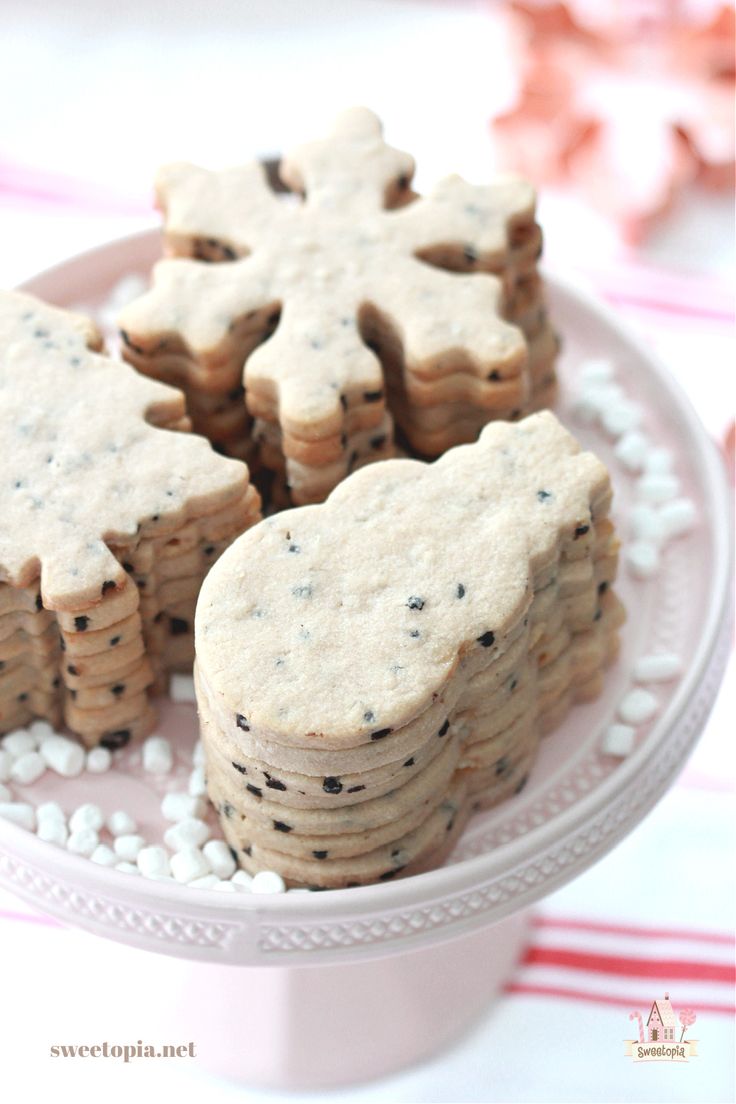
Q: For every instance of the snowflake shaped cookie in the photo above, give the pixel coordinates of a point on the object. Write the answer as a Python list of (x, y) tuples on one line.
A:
[(351, 291)]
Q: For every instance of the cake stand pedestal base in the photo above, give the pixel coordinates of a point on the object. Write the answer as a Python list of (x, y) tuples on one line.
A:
[(322, 1026)]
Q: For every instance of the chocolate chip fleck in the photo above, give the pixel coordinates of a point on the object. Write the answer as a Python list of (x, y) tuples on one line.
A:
[(178, 626), (487, 639), (332, 785), (460, 592), (242, 722), (522, 784), (369, 716), (118, 689), (409, 762), (372, 396), (415, 603), (544, 496), (380, 733), (239, 767), (281, 826), (107, 585), (494, 376), (275, 784), (445, 727), (72, 669), (114, 740), (39, 602), (355, 789), (81, 623), (255, 790), (320, 854), (581, 530)]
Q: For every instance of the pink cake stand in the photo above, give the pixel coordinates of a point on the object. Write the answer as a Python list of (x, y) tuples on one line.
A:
[(400, 969)]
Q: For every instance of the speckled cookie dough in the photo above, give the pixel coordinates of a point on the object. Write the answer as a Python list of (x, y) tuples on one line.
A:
[(358, 661), (110, 522), (357, 295)]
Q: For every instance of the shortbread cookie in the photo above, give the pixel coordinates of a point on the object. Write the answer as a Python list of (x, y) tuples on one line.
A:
[(326, 305), (360, 661), (99, 492)]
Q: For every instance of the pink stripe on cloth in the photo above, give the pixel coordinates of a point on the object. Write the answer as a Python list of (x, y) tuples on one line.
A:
[(630, 965), (30, 918), (637, 930), (28, 186), (565, 993)]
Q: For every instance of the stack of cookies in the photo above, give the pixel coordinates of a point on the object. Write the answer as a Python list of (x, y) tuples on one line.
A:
[(110, 522), (372, 670), (358, 306)]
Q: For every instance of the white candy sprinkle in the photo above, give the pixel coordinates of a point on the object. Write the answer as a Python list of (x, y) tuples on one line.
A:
[(198, 754), (51, 810), (196, 785), (646, 523), (242, 879), (621, 417), (207, 882), (659, 461), (53, 831), (153, 862), (83, 841), (585, 409), (104, 856), (129, 847), (189, 864), (643, 559), (219, 857), (631, 450), (225, 887), (127, 868), (602, 395), (86, 816), (596, 370), (20, 812), (268, 881), (619, 740), (19, 742), (6, 760), (181, 688), (177, 806), (678, 516), (189, 832), (63, 756), (5, 794), (657, 668), (41, 730), (658, 487), (27, 768), (99, 760), (121, 824), (637, 706), (157, 755)]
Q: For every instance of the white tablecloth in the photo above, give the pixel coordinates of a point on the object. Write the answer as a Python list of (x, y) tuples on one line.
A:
[(95, 96)]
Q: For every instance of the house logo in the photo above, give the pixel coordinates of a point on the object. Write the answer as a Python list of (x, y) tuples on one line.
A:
[(658, 1036)]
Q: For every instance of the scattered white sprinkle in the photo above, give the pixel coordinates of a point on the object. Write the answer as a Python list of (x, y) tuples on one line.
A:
[(225, 887), (268, 881), (657, 668), (86, 816), (41, 730), (129, 847), (99, 760), (198, 754), (631, 450), (121, 824), (659, 461), (153, 862), (186, 833), (602, 394), (20, 812), (157, 755), (83, 841), (242, 879), (220, 858), (658, 487), (642, 558), (621, 417), (189, 864), (646, 523), (63, 756), (53, 831), (619, 740), (6, 760), (596, 370), (104, 855), (27, 768), (5, 794), (196, 785), (181, 688), (585, 409), (637, 706), (177, 806), (51, 810), (19, 742), (678, 516), (127, 868), (207, 882)]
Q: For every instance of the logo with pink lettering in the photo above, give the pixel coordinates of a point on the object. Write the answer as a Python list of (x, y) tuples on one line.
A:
[(658, 1041)]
